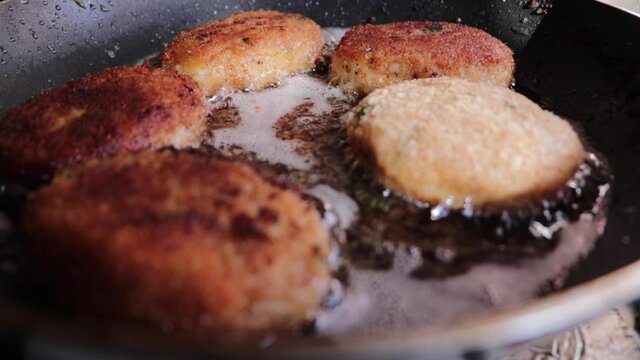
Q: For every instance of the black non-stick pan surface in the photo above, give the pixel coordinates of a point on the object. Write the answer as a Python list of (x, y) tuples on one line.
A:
[(580, 59)]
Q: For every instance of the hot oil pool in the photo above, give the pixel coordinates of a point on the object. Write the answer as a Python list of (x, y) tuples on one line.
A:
[(400, 264)]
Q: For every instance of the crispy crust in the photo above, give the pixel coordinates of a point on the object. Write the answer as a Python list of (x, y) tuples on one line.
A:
[(248, 50), (120, 109), (204, 244), (445, 138), (373, 56)]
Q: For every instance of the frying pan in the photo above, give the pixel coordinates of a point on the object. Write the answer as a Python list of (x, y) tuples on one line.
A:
[(580, 59)]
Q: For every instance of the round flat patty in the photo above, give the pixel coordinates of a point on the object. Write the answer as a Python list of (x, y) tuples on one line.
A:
[(447, 139), (201, 243), (120, 109), (248, 50), (374, 56)]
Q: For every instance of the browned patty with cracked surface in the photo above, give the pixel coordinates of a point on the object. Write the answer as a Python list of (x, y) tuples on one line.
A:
[(120, 109), (202, 243), (374, 56), (248, 50)]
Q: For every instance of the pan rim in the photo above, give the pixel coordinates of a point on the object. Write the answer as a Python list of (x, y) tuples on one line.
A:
[(493, 330)]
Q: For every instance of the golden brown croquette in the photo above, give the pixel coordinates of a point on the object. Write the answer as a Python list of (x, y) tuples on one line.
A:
[(181, 239), (248, 50), (446, 138), (120, 109), (374, 56)]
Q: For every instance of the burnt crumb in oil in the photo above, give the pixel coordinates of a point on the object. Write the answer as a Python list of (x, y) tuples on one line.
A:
[(223, 115), (322, 64), (300, 123)]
